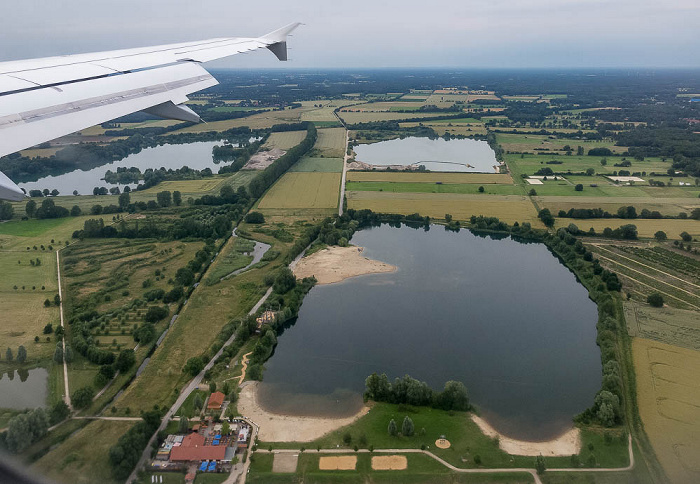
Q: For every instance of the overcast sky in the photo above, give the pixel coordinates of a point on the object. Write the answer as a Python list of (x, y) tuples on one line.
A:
[(374, 33)]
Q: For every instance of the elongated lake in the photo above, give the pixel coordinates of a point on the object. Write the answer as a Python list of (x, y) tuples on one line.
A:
[(506, 318), (196, 155), (463, 155)]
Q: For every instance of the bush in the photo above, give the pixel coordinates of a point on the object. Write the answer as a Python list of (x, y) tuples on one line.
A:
[(655, 299), (155, 314), (255, 218), (82, 397)]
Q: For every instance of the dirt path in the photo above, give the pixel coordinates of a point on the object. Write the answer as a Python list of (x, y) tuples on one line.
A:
[(245, 360), (66, 397), (565, 445), (336, 264)]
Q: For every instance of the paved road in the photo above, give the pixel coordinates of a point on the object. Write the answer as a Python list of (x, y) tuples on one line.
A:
[(345, 166)]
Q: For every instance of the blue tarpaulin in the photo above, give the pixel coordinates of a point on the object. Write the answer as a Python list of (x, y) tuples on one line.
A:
[(203, 466)]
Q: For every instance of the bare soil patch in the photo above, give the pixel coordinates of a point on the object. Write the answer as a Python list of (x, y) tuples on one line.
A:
[(335, 264), (442, 444), (285, 462), (565, 445), (389, 462), (263, 159), (339, 463)]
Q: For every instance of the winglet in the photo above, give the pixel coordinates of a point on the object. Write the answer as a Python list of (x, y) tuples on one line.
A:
[(278, 40)]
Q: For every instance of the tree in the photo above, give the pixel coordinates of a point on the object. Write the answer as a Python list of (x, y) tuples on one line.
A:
[(155, 314), (255, 218), (68, 354), (164, 198), (448, 217), (58, 354), (193, 366), (686, 237), (125, 360), (30, 208), (212, 387), (655, 300), (145, 333), (197, 403), (285, 281), (8, 354), (25, 429), (392, 428), (578, 187), (21, 354), (407, 427), (454, 397), (540, 465), (124, 200), (660, 236), (481, 189), (75, 211), (546, 217), (532, 192), (184, 425), (82, 397), (177, 198), (184, 276), (57, 300), (59, 412), (225, 428)]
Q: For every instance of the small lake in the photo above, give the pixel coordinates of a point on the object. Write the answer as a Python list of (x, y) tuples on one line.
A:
[(20, 389), (196, 155), (505, 318), (463, 155)]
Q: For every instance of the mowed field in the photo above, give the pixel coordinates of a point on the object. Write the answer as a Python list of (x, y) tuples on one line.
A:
[(303, 190), (331, 142), (84, 457), (323, 165), (429, 177), (668, 395), (509, 208)]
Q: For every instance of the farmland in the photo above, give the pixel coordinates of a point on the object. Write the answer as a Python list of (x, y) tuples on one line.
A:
[(303, 190), (285, 140), (668, 392), (645, 228), (434, 177)]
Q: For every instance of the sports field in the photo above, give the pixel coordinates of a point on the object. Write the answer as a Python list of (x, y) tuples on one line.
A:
[(668, 392), (303, 190), (509, 208)]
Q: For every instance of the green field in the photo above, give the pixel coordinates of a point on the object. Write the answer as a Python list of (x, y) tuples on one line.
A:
[(284, 140), (428, 177), (303, 190), (323, 165), (433, 188)]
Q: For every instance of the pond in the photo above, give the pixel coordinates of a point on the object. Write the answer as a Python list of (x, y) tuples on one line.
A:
[(20, 389), (196, 155), (462, 155), (505, 318)]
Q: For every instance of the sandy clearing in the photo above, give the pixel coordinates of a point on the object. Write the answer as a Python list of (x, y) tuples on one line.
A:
[(339, 463), (263, 159), (389, 462), (285, 462), (442, 444), (335, 264), (565, 445), (286, 428)]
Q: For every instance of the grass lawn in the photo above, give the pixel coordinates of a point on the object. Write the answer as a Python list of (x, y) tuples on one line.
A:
[(83, 458), (30, 228)]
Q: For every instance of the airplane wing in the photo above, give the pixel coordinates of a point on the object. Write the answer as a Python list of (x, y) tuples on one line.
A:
[(43, 99)]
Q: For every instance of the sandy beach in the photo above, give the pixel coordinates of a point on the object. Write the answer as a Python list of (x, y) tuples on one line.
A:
[(565, 445), (285, 428), (335, 264)]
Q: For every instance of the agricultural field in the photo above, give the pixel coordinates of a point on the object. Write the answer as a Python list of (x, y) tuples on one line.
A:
[(256, 121), (667, 394), (284, 140), (83, 458), (645, 269), (665, 206), (411, 187), (367, 117), (521, 142), (646, 228), (429, 177), (528, 163), (509, 208), (331, 142), (303, 190)]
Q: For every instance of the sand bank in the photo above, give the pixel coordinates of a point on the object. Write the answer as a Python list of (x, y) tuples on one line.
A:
[(335, 264), (286, 428), (564, 445)]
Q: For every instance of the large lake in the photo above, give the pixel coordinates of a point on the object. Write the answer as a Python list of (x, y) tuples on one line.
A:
[(504, 317), (196, 155), (463, 155), (20, 389)]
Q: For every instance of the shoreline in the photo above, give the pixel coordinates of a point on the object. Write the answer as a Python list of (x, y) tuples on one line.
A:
[(275, 427), (335, 264), (565, 445)]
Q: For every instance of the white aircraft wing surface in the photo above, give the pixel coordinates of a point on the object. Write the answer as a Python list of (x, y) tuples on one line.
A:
[(43, 99)]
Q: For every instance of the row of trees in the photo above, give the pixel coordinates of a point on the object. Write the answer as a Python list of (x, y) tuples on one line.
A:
[(410, 391)]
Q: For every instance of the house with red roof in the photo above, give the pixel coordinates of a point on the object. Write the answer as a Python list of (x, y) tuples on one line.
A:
[(192, 448), (216, 400)]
